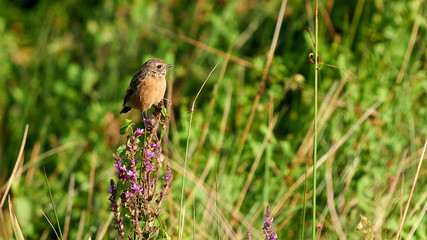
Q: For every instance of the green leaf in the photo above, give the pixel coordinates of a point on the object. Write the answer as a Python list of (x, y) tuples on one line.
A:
[(125, 126), (164, 112), (163, 234), (162, 134), (121, 151)]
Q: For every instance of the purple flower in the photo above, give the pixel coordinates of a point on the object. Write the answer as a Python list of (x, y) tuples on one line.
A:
[(127, 194), (131, 174), (139, 132), (117, 165), (149, 153), (268, 226), (148, 165), (135, 187), (110, 190)]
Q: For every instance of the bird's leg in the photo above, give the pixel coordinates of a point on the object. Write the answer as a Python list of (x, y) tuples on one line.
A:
[(158, 108)]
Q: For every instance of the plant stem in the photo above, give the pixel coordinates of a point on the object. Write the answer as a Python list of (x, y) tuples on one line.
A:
[(181, 216), (316, 73), (53, 205)]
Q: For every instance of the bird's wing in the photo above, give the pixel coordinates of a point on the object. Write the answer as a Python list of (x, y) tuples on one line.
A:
[(133, 86)]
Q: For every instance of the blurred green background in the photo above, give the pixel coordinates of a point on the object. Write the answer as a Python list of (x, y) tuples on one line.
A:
[(65, 67)]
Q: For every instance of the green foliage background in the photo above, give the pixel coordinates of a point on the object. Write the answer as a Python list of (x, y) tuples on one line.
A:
[(65, 66)]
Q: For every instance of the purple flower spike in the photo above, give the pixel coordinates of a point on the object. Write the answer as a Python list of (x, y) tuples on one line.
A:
[(268, 226), (139, 183), (118, 220)]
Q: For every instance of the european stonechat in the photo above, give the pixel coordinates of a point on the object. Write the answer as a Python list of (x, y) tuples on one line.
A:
[(147, 87)]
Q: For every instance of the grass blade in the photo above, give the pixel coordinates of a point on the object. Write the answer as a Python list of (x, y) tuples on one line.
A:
[(181, 215), (15, 224), (53, 205)]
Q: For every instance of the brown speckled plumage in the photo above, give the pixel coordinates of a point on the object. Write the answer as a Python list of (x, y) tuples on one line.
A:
[(147, 87)]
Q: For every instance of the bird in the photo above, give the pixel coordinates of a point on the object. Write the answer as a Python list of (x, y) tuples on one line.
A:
[(147, 86)]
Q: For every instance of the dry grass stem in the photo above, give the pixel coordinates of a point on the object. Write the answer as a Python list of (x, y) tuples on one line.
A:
[(51, 225), (331, 199), (255, 165), (382, 209), (263, 78), (15, 168), (412, 191), (322, 160), (70, 198)]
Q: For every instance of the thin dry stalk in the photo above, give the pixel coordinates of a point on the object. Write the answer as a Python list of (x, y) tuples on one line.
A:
[(326, 109), (3, 223), (381, 210), (104, 228), (417, 223), (331, 200), (322, 160), (263, 78), (51, 225), (409, 49), (355, 21), (69, 206), (82, 225), (349, 173), (204, 190), (328, 23), (170, 121), (92, 183), (255, 23), (203, 46), (206, 125), (181, 216), (212, 157), (36, 160), (412, 191), (417, 205), (31, 170), (294, 202), (408, 53), (255, 165), (15, 168), (257, 213), (15, 224)]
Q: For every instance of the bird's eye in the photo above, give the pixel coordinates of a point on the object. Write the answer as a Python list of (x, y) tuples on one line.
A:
[(159, 66)]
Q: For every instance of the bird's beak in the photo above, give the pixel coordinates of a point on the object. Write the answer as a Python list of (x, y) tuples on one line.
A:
[(169, 65)]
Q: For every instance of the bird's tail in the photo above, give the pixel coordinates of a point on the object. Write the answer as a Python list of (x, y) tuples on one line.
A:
[(125, 109)]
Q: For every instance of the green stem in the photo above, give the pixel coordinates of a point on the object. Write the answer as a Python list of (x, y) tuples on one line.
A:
[(181, 218), (183, 178), (53, 205), (316, 73)]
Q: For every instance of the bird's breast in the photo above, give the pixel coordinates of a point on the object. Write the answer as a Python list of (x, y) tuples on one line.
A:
[(150, 91)]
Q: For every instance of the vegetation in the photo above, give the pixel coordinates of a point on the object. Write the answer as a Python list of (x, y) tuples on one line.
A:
[(65, 67)]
